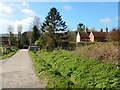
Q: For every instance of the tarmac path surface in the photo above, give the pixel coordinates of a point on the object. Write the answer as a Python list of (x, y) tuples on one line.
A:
[(18, 72)]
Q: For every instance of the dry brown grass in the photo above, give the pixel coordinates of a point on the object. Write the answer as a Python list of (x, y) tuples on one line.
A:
[(101, 51)]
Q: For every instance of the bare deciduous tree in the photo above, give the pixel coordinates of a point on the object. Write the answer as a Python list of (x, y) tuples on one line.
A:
[(19, 28), (36, 22), (10, 30)]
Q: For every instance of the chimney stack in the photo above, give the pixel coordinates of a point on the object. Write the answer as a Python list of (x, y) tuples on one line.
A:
[(86, 29), (101, 30), (106, 30)]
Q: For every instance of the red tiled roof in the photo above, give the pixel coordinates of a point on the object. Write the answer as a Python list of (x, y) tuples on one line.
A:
[(99, 34), (83, 35)]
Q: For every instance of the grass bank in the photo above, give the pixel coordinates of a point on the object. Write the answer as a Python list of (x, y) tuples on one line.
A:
[(105, 52), (4, 55), (63, 69)]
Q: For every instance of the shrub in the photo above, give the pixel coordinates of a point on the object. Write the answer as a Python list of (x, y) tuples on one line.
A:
[(50, 44), (114, 35), (102, 51), (72, 46)]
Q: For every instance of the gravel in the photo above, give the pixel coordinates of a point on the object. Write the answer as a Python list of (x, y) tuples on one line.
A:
[(18, 72)]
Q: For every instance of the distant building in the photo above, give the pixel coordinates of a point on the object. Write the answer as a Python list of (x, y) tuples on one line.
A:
[(98, 36), (4, 38), (82, 36), (29, 33), (92, 36)]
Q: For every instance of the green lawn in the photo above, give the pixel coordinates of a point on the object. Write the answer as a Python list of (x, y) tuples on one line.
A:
[(65, 70)]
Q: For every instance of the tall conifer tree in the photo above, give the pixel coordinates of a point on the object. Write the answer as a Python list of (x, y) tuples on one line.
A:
[(53, 22), (35, 34), (54, 26)]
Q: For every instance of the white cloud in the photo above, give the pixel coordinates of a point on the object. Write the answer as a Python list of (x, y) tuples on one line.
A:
[(5, 22), (1, 14), (23, 7), (10, 15), (25, 4), (67, 7), (28, 11), (105, 20), (24, 22), (5, 9)]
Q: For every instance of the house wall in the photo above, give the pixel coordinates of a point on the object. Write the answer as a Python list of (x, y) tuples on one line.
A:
[(85, 40), (100, 39), (91, 37), (78, 37)]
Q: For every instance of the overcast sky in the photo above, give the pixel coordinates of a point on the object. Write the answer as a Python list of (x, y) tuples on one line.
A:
[(92, 14)]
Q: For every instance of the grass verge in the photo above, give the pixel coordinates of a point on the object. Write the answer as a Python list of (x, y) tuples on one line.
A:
[(65, 70), (6, 55)]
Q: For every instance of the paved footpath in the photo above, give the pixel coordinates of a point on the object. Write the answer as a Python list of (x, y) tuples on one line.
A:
[(18, 72)]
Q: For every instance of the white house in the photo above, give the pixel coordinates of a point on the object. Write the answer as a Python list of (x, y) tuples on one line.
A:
[(78, 37), (82, 36)]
